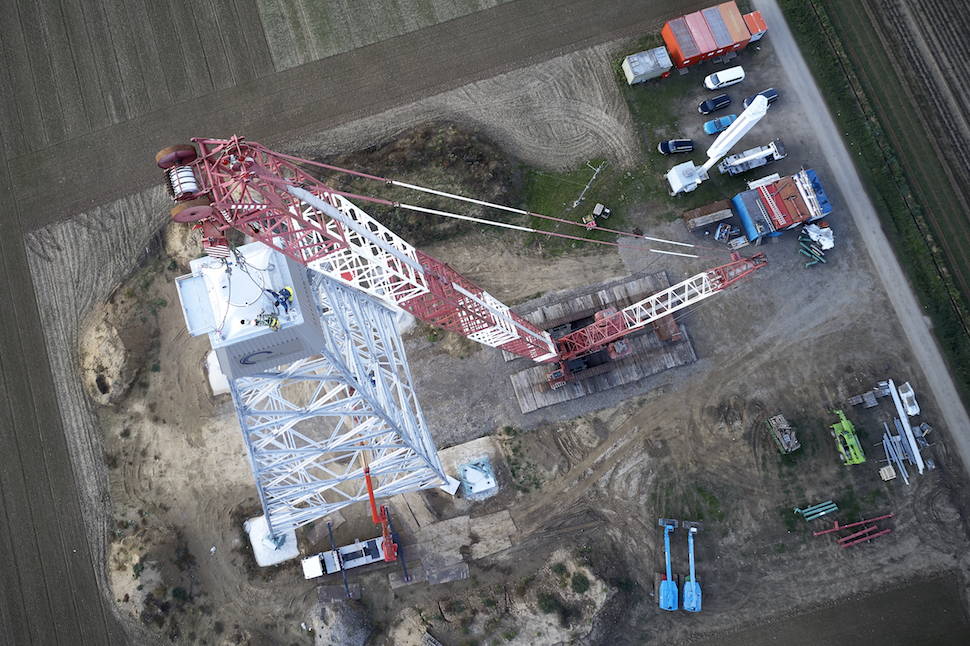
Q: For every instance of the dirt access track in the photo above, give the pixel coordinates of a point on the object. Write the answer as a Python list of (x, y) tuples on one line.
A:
[(73, 116)]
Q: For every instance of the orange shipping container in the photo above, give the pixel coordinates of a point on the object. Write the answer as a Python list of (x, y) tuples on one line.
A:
[(701, 33), (680, 44), (735, 24), (722, 37), (756, 25)]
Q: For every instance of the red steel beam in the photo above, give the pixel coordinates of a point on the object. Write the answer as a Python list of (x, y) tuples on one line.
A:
[(866, 538), (836, 527)]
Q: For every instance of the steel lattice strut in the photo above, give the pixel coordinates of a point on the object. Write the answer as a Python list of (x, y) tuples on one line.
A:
[(311, 426)]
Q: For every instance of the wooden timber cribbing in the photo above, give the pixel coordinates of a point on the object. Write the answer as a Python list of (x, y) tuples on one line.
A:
[(650, 356)]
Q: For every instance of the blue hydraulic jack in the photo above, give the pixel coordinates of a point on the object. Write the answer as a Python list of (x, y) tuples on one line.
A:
[(668, 587), (692, 588)]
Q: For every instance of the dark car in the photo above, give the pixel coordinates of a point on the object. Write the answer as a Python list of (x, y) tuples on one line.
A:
[(771, 94), (715, 103), (675, 146)]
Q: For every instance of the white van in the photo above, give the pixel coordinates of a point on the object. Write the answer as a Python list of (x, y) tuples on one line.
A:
[(724, 78)]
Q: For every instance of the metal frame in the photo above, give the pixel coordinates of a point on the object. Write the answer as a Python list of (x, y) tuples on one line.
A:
[(312, 426)]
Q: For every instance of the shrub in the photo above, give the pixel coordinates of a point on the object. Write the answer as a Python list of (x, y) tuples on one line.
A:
[(579, 584)]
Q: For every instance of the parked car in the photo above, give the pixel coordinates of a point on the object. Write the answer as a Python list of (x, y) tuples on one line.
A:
[(771, 94), (675, 146), (724, 78), (718, 102), (720, 124)]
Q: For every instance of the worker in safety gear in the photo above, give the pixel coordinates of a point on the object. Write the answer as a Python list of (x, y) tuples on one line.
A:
[(264, 318), (282, 298)]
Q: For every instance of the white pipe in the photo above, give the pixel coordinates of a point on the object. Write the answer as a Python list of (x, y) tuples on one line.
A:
[(466, 217), (904, 418), (674, 253), (510, 209), (414, 187)]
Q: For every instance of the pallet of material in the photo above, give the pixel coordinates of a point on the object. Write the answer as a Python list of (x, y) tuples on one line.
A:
[(707, 214)]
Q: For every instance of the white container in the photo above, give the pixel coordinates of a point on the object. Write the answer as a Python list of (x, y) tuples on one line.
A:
[(647, 65)]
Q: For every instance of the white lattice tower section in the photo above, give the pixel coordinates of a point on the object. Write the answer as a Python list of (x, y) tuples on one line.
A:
[(310, 426)]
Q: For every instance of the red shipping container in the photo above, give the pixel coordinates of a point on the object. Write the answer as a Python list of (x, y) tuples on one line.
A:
[(756, 25), (735, 24), (680, 44), (722, 37), (701, 33)]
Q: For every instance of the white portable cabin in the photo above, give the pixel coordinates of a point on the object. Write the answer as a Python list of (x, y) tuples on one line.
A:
[(647, 65)]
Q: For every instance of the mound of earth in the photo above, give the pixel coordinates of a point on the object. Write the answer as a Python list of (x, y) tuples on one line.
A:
[(121, 337), (439, 155)]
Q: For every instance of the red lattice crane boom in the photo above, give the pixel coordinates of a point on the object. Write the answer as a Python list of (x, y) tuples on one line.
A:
[(611, 326), (237, 184)]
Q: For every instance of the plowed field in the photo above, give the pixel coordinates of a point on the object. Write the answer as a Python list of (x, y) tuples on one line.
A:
[(910, 58)]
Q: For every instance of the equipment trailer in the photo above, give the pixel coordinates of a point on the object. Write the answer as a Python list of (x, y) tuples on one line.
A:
[(783, 434), (752, 158)]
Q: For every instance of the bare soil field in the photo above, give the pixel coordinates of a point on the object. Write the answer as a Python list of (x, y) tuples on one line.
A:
[(583, 484), (300, 32), (921, 102)]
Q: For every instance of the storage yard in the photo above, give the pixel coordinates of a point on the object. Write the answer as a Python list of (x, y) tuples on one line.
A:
[(711, 429)]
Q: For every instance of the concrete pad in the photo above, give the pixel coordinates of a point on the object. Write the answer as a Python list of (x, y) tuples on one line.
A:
[(441, 543), (454, 456), (494, 533), (264, 549)]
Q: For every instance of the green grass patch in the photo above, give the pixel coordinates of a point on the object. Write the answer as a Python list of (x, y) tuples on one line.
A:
[(638, 196), (579, 583), (825, 36)]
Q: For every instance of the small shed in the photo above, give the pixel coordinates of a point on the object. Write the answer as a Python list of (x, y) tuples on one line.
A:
[(643, 66), (756, 25)]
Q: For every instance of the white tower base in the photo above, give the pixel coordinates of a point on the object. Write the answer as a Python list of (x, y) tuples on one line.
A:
[(265, 549)]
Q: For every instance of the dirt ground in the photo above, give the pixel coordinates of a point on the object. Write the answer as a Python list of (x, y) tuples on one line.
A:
[(555, 114), (300, 32), (583, 483)]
